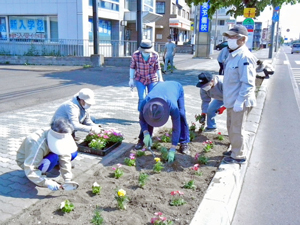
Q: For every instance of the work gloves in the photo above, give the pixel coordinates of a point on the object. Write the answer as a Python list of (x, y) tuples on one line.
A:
[(131, 83), (203, 118), (147, 139), (52, 185), (238, 106), (95, 129), (171, 155), (221, 110)]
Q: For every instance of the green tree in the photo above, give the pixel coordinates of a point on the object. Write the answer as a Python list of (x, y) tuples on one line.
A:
[(238, 5)]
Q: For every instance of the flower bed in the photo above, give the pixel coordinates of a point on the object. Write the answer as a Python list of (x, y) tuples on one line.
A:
[(135, 193)]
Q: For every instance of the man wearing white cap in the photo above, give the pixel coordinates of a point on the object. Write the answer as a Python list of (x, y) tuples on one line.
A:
[(76, 111), (238, 90), (145, 70), (41, 151)]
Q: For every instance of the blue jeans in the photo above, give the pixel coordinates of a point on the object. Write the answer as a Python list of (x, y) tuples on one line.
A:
[(141, 88), (167, 59), (51, 160), (211, 112)]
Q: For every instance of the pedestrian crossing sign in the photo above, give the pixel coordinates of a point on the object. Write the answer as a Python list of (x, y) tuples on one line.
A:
[(249, 12)]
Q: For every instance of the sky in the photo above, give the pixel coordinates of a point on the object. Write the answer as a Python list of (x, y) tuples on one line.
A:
[(289, 19)]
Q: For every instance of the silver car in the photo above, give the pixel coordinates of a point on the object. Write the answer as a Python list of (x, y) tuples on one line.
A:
[(295, 48)]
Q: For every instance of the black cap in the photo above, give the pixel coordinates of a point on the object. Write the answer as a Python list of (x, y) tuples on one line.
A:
[(204, 78), (237, 29)]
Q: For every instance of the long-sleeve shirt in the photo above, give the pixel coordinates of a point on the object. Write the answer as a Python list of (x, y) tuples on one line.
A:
[(145, 71), (172, 92), (31, 153), (223, 55), (239, 78), (215, 92), (76, 114)]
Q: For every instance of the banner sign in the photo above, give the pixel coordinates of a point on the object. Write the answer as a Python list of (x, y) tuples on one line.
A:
[(204, 21)]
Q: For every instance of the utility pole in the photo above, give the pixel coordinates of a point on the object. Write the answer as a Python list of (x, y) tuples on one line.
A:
[(277, 33), (216, 24), (272, 37), (95, 27), (139, 22)]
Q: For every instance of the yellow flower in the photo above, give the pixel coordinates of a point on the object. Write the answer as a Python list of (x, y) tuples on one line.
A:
[(157, 159), (121, 193)]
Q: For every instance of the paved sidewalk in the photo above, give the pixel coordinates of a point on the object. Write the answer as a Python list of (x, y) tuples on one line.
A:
[(115, 107)]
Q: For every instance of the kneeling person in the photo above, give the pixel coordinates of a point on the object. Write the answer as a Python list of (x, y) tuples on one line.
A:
[(41, 151)]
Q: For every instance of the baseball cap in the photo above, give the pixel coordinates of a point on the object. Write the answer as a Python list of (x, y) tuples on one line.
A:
[(237, 29), (204, 78)]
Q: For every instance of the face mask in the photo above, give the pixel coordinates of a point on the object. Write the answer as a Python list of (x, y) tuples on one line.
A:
[(232, 44), (86, 106), (145, 54), (206, 88)]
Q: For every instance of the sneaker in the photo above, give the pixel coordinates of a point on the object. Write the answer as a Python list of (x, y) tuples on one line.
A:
[(229, 160), (228, 153), (184, 148), (139, 146), (164, 72), (210, 129)]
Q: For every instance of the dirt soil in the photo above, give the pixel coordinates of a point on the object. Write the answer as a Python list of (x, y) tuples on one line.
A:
[(144, 202)]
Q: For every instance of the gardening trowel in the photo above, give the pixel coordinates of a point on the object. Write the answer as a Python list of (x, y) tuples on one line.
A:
[(149, 148), (70, 186)]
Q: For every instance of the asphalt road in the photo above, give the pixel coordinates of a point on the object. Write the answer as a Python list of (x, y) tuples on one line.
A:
[(23, 86), (270, 193)]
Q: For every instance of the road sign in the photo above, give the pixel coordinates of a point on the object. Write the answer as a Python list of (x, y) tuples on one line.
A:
[(249, 12), (230, 21), (275, 17), (248, 21)]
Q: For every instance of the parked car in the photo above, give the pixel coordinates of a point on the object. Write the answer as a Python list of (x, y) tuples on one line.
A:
[(295, 48), (221, 45)]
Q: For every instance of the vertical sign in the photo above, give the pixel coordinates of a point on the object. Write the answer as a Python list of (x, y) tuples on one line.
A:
[(204, 21)]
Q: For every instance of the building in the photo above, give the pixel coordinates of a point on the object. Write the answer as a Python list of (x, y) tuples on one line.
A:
[(175, 21), (65, 27), (257, 35)]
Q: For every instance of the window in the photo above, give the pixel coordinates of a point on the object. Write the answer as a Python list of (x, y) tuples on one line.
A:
[(173, 8), (109, 5), (179, 12), (221, 22), (3, 31), (183, 13), (53, 29), (188, 15), (160, 7), (104, 30)]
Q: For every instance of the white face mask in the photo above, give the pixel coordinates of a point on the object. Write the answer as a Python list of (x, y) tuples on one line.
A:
[(86, 106), (232, 44), (145, 54), (206, 88)]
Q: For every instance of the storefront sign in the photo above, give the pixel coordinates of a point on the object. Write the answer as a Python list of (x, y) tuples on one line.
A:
[(204, 21)]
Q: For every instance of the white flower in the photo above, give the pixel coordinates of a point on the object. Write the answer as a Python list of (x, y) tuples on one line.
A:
[(96, 184), (62, 205)]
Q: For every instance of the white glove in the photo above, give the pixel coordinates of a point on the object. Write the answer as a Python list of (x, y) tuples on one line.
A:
[(52, 185), (159, 76), (131, 83), (238, 106), (95, 129)]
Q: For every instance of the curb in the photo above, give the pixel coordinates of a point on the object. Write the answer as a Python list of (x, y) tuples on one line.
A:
[(221, 197)]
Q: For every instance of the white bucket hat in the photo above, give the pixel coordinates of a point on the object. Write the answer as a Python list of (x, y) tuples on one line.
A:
[(87, 95), (61, 143)]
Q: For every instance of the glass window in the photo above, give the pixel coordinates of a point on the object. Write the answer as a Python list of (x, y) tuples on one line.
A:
[(109, 5), (3, 31), (160, 7), (179, 12), (148, 2), (188, 15), (27, 27), (104, 29), (173, 8), (221, 22), (53, 29)]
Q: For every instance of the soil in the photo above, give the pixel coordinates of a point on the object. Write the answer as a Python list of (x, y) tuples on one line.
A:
[(144, 202)]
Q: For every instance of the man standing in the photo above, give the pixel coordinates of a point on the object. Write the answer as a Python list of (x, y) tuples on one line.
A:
[(238, 90), (169, 53), (77, 112), (211, 87), (145, 70), (221, 59), (158, 105)]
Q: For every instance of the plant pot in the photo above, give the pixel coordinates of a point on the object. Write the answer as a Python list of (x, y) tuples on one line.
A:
[(83, 147)]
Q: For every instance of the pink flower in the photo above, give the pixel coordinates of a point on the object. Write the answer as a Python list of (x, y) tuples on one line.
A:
[(163, 218), (197, 156), (113, 168), (195, 167), (105, 136), (131, 157), (158, 213), (219, 133), (180, 193), (119, 165), (204, 143), (207, 141), (159, 139), (154, 219), (167, 134), (210, 142), (173, 193)]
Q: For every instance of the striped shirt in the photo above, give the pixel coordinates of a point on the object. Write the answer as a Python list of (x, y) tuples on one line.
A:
[(145, 72)]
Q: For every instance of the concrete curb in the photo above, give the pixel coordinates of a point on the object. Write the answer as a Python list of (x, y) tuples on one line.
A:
[(220, 200)]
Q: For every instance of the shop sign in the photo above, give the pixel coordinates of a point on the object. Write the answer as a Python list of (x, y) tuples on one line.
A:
[(204, 21)]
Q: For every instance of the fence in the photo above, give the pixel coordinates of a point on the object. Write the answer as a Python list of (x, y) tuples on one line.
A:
[(68, 47)]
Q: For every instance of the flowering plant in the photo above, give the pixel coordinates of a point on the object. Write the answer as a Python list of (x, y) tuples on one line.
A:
[(158, 166), (177, 198), (192, 135), (142, 179), (193, 126), (101, 140), (201, 159), (196, 169), (160, 220), (164, 153), (156, 144), (131, 160), (66, 206), (96, 188), (122, 199), (166, 137), (208, 145), (190, 185), (140, 153), (97, 218), (117, 171), (220, 136)]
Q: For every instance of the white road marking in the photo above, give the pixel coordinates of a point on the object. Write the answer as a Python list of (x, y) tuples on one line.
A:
[(286, 62), (297, 62)]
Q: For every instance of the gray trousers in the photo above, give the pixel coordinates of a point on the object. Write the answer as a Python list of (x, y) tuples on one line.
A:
[(235, 128)]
